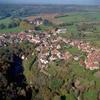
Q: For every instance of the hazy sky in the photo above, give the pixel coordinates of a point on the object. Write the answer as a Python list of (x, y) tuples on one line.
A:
[(88, 2)]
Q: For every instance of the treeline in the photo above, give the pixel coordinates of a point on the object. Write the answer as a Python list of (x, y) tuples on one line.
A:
[(62, 16), (86, 27), (28, 10), (65, 24), (12, 24)]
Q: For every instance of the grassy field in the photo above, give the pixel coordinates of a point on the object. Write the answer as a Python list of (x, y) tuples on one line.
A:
[(27, 72), (17, 29), (44, 27), (86, 76), (6, 20), (80, 17)]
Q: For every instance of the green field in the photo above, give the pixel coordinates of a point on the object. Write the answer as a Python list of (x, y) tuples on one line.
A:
[(6, 20), (80, 17), (74, 23), (44, 27), (17, 29)]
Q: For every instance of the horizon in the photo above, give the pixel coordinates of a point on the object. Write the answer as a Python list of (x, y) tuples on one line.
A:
[(53, 2)]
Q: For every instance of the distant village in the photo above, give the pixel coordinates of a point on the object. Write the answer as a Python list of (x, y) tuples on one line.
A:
[(49, 47)]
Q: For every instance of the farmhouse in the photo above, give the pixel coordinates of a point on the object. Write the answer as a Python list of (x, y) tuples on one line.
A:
[(36, 21), (61, 30)]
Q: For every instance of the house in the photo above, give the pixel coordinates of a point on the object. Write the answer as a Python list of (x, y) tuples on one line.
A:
[(58, 46), (23, 57), (32, 39), (93, 61), (66, 55), (36, 21), (53, 58), (21, 36), (61, 30), (44, 61), (2, 40), (76, 58), (55, 53)]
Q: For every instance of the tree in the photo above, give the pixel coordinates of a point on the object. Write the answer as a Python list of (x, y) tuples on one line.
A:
[(55, 84), (12, 25), (25, 25), (37, 28), (2, 26)]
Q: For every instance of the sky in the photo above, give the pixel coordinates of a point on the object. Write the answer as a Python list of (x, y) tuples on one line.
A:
[(82, 2)]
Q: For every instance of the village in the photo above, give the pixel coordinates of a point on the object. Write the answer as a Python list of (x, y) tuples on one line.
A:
[(49, 48)]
